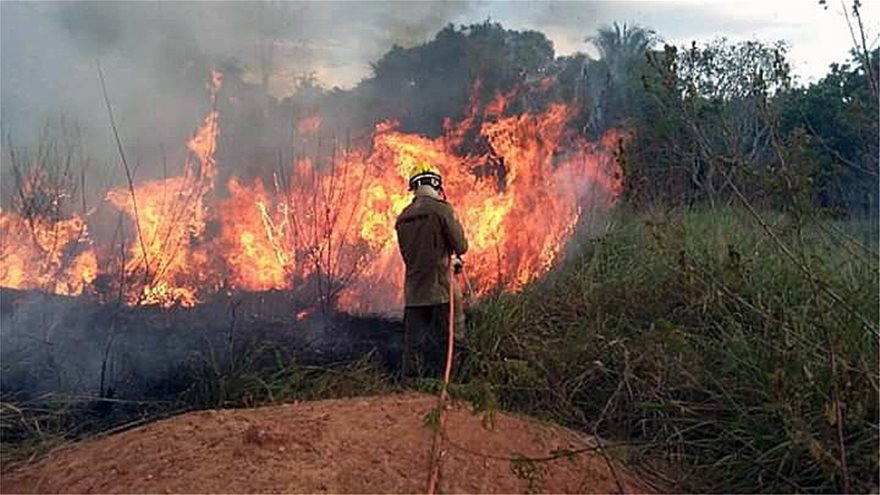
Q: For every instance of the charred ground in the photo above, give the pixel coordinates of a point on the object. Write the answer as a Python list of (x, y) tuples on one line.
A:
[(90, 367)]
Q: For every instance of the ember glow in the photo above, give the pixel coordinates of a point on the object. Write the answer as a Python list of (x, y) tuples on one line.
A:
[(328, 224)]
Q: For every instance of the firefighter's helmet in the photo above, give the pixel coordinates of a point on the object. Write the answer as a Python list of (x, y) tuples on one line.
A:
[(425, 175)]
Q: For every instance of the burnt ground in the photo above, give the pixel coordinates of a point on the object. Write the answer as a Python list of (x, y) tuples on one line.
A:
[(76, 346), (120, 363), (362, 445)]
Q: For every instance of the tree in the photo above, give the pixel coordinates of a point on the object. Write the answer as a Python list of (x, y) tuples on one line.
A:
[(840, 115), (861, 51), (613, 82), (619, 46), (707, 122)]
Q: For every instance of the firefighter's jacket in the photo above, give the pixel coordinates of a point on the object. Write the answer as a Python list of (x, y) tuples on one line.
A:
[(428, 232)]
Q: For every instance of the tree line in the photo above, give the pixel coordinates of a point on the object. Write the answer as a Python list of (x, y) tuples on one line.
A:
[(709, 122)]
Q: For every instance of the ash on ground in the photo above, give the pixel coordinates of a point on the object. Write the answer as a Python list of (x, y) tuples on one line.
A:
[(73, 346)]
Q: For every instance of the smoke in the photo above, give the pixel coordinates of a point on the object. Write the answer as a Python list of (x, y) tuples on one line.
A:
[(157, 54), (157, 57)]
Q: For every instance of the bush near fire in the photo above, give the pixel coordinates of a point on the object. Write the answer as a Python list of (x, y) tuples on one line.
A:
[(672, 247)]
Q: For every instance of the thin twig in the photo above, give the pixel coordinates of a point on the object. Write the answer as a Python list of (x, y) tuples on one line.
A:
[(835, 393), (128, 176), (559, 454)]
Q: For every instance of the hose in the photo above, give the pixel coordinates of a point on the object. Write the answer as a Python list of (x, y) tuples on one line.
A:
[(440, 432)]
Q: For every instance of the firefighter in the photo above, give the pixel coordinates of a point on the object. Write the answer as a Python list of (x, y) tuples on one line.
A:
[(430, 237)]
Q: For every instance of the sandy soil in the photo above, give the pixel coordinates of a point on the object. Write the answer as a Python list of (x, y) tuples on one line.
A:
[(377, 444)]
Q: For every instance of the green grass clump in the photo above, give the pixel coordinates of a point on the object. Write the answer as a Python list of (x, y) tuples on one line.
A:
[(741, 350), (266, 376)]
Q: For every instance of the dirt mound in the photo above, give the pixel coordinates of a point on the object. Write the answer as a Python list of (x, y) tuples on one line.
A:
[(377, 444)]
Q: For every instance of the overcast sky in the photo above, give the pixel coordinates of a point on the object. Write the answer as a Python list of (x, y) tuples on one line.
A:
[(817, 36)]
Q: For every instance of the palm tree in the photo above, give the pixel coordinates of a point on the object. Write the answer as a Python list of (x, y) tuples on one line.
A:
[(619, 45), (611, 81)]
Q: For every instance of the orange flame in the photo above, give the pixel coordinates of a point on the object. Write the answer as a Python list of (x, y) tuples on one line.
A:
[(309, 125), (50, 256), (170, 216), (331, 226)]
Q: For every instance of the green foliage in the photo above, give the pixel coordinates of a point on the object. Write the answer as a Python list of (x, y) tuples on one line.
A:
[(481, 396), (706, 122), (720, 116), (696, 334), (613, 83), (721, 71), (840, 116), (431, 420)]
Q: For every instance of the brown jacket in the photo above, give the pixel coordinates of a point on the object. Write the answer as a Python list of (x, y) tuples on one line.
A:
[(428, 232)]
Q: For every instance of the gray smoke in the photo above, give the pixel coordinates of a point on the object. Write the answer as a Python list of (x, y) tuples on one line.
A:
[(157, 57)]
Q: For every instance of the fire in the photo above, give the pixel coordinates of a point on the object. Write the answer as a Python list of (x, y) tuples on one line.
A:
[(309, 125), (50, 256), (328, 223), (169, 216), (517, 214), (248, 240)]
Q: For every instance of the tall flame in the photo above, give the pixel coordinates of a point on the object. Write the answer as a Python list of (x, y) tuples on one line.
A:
[(170, 215), (328, 223)]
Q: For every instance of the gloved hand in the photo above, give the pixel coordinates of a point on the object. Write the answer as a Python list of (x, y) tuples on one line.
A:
[(457, 264)]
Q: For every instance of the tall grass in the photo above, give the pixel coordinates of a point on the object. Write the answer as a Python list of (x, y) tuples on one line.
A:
[(741, 350)]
